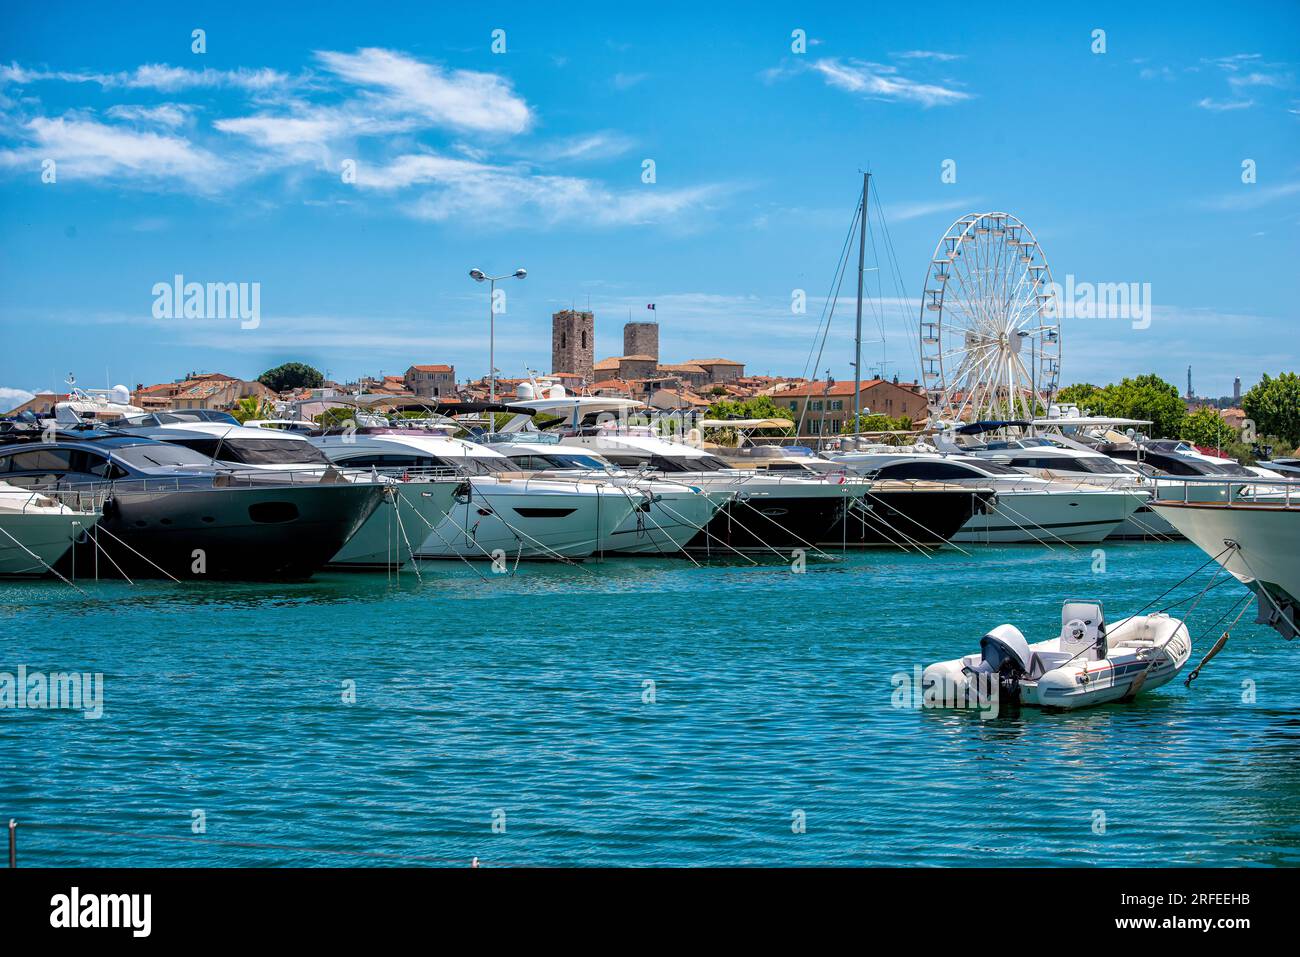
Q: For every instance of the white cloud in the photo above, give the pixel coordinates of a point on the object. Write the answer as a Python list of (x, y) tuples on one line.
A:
[(88, 149), (1222, 106), (905, 211), (11, 398), (625, 81), (884, 82), (459, 99), (505, 193), (928, 55), (170, 115), (1251, 196), (589, 147), (154, 76)]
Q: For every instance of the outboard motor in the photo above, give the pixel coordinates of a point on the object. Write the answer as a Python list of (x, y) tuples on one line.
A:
[(1006, 653)]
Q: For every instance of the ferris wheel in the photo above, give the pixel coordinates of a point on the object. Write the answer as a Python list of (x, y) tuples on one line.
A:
[(990, 333)]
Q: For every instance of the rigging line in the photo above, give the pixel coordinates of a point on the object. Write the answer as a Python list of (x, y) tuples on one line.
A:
[(797, 538), (937, 538), (709, 534), (897, 273), (825, 332), (905, 541), (48, 566), (137, 554), (832, 294)]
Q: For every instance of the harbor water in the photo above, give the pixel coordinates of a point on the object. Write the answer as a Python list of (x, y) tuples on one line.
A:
[(636, 712)]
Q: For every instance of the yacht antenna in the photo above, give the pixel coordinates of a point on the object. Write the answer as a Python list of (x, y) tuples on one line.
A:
[(857, 332)]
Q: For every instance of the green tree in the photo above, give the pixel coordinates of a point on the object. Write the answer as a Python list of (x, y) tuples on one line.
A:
[(291, 375), (758, 407), (1274, 406), (1205, 427), (1142, 397), (252, 407), (875, 422)]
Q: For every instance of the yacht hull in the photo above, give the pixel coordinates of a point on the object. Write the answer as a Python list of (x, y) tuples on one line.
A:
[(897, 515), (512, 519), (397, 527), (1265, 559), (1034, 517), (275, 532), (31, 544), (668, 524), (767, 520)]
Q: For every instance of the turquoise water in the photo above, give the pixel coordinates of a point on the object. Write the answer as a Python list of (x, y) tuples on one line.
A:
[(523, 695)]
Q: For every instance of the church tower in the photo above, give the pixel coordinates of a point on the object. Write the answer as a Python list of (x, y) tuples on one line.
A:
[(573, 342)]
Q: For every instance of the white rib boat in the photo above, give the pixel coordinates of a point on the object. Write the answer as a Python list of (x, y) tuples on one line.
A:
[(1086, 664)]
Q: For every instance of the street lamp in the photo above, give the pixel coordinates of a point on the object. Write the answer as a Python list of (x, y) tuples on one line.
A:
[(478, 275)]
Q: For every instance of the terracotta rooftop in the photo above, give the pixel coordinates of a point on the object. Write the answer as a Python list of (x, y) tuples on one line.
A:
[(817, 389)]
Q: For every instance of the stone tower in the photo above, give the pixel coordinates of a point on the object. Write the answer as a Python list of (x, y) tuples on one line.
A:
[(573, 342), (641, 339)]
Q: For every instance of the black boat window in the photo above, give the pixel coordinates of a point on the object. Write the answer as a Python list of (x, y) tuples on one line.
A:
[(271, 451), (159, 453), (390, 460), (42, 460), (934, 471)]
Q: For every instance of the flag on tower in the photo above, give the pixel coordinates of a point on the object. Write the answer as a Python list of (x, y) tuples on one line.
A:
[(650, 305)]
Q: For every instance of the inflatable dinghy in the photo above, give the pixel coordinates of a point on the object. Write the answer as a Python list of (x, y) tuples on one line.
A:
[(1086, 664)]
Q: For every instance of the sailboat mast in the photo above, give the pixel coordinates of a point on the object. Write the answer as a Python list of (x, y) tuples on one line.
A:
[(857, 334)]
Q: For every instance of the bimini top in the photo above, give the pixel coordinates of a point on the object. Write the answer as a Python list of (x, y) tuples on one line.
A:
[(978, 428)]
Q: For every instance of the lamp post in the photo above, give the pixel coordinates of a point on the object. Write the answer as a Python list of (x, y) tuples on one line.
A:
[(478, 275)]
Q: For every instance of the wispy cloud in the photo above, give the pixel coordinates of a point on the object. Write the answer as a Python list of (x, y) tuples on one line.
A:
[(625, 81), (459, 99), (154, 76), (874, 81), (1223, 106), (928, 55), (1251, 196), (88, 149), (495, 193), (906, 211)]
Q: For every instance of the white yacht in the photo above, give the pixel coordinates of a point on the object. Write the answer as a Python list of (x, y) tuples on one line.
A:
[(105, 406), (498, 510), (766, 513), (667, 516), (1027, 509), (36, 531), (1257, 540), (407, 513)]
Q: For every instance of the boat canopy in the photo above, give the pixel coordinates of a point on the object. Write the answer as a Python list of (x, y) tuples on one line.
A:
[(746, 423), (978, 428), (1086, 420)]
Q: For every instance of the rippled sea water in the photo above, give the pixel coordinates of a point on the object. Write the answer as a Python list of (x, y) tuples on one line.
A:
[(520, 700)]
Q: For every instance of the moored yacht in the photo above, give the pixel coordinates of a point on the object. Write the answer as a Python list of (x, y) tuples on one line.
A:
[(767, 512), (1027, 509), (1256, 540), (387, 539), (36, 530), (892, 512), (667, 515), (168, 510), (498, 511)]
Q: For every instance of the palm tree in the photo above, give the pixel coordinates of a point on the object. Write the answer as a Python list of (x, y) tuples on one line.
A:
[(251, 407)]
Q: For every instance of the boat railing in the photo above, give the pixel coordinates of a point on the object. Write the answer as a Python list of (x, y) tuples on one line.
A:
[(1236, 490)]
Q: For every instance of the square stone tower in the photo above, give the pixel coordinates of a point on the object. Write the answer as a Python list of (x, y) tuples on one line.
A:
[(573, 342), (641, 339)]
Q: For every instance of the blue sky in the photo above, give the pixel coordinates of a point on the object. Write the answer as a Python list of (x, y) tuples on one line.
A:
[(226, 166)]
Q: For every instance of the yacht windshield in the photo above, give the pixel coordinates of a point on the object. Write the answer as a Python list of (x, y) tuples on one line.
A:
[(160, 454), (269, 451)]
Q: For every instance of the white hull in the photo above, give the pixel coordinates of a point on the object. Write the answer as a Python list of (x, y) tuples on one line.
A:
[(1268, 552), (382, 542), (1049, 517), (670, 522), (513, 519)]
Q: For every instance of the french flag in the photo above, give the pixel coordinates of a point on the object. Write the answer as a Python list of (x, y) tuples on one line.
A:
[(650, 305)]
